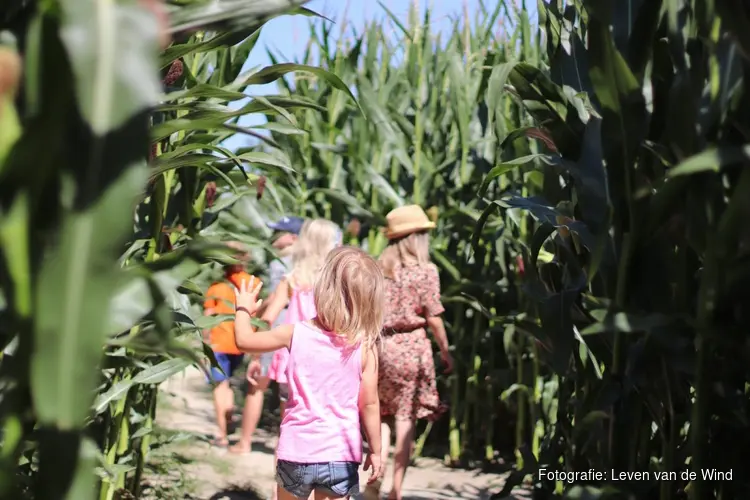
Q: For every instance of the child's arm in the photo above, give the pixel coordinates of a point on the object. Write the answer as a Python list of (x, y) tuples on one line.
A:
[(246, 339), (369, 402), (278, 300)]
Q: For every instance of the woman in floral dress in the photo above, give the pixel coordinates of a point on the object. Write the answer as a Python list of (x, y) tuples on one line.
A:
[(407, 371)]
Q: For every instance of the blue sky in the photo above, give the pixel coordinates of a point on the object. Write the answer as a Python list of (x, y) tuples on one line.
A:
[(287, 36)]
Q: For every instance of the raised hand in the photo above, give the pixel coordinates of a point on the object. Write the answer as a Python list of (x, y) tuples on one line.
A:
[(246, 296)]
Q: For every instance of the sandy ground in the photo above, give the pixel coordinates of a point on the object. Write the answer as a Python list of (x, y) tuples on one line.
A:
[(214, 474)]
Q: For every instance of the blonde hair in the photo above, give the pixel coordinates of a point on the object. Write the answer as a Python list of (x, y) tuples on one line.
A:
[(316, 239), (409, 250), (350, 296)]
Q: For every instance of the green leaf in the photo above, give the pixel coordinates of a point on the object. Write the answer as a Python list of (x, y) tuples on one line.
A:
[(446, 264), (76, 283), (281, 128), (132, 299), (10, 127), (83, 482), (204, 90), (507, 393), (112, 47), (396, 21), (384, 187), (348, 200), (228, 15), (207, 322), (131, 302), (270, 74), (14, 238), (495, 88), (711, 160), (220, 40), (155, 374), (215, 118), (626, 322), (158, 373), (505, 167), (266, 160)]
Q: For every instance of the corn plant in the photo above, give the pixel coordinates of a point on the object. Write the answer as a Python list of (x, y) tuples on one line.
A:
[(636, 269), (112, 182)]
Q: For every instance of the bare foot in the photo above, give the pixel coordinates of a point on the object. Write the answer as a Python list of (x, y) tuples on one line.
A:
[(372, 491), (240, 449), (221, 442)]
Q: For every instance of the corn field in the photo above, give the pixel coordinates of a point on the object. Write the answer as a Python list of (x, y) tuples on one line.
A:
[(587, 170), (113, 180), (584, 178)]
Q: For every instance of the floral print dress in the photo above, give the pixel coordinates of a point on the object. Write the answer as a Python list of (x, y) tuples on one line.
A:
[(407, 369)]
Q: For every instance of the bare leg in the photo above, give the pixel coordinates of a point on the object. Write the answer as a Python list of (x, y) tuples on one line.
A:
[(229, 404), (282, 494), (251, 415), (223, 403), (372, 491), (385, 442), (402, 456), (321, 495)]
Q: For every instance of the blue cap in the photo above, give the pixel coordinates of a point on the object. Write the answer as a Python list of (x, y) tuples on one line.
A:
[(287, 225)]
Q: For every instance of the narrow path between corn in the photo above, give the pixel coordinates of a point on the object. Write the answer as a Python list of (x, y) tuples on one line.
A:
[(185, 406)]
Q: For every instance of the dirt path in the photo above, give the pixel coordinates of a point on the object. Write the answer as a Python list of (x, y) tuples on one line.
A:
[(190, 468)]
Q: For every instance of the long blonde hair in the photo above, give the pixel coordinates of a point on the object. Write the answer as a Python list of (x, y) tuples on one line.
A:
[(409, 250), (350, 296), (316, 239)]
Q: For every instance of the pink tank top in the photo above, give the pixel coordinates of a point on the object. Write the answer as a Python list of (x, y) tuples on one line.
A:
[(321, 423), (301, 308)]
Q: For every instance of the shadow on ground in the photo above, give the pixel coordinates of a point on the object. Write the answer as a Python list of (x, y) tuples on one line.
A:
[(465, 492), (238, 493), (214, 474)]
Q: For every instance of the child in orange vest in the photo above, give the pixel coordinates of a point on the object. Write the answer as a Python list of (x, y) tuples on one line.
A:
[(220, 300)]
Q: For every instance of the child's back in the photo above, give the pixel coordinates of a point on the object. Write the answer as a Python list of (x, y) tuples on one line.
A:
[(332, 375), (321, 423)]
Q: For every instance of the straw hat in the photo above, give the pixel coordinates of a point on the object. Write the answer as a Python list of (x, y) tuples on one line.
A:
[(403, 221)]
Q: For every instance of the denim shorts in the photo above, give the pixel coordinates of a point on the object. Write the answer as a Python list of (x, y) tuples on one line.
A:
[(228, 363), (283, 392), (265, 362), (334, 478)]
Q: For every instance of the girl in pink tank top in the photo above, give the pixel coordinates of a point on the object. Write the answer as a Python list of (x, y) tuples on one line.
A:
[(332, 373), (295, 292), (317, 237)]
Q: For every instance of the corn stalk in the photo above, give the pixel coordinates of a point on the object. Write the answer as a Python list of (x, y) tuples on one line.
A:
[(637, 250), (116, 193)]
